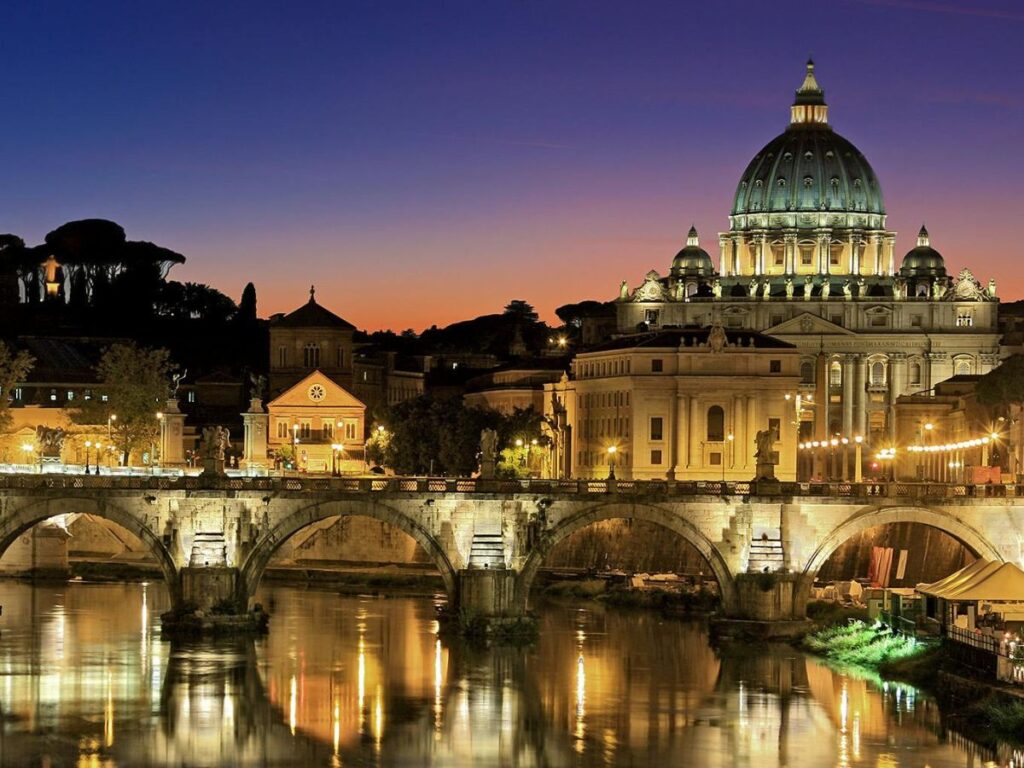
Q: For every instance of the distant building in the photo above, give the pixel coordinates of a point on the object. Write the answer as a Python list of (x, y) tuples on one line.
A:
[(676, 404), (516, 385), (311, 338), (319, 425)]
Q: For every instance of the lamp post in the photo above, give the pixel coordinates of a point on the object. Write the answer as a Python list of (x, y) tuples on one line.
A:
[(727, 454), (858, 468), (110, 429), (88, 445), (28, 449), (928, 428), (295, 445), (611, 461)]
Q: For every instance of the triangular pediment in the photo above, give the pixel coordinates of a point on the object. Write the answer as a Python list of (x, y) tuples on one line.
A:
[(306, 393), (806, 324)]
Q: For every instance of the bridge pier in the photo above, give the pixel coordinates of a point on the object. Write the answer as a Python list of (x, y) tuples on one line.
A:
[(489, 593), (207, 586), (772, 597)]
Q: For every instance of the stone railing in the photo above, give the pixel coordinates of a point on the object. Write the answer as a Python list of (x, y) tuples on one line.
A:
[(446, 485)]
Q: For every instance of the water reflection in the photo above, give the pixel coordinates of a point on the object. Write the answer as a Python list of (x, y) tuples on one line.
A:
[(360, 681)]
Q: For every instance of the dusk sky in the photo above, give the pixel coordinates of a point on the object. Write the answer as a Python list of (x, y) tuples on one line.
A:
[(424, 162)]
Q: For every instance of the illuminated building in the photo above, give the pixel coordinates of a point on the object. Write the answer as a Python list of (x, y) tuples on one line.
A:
[(808, 260)]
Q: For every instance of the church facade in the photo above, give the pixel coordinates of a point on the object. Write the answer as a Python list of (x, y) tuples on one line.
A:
[(808, 260)]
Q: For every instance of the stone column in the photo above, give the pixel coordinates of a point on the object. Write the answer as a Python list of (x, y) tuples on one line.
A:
[(874, 253), (739, 425), (889, 256), (823, 240), (682, 435), (860, 397), (256, 422), (849, 366), (856, 241), (762, 253), (694, 459), (172, 435), (897, 384), (790, 240), (725, 249), (752, 427)]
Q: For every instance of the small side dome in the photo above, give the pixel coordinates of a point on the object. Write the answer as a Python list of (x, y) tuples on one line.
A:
[(923, 260), (692, 261)]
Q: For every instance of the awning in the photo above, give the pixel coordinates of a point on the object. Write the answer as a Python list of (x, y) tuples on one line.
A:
[(982, 581)]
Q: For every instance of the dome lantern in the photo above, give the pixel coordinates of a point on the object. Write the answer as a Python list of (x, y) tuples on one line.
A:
[(809, 107), (692, 261), (923, 260)]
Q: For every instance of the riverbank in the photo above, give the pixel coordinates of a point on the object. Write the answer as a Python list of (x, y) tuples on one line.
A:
[(978, 704), (671, 602)]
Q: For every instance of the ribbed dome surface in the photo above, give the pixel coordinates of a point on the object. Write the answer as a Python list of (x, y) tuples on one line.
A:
[(809, 167), (923, 260)]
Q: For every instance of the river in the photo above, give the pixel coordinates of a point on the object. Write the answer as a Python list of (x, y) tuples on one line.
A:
[(86, 680)]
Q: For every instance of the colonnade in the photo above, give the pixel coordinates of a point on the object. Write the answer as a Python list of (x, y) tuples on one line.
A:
[(863, 253)]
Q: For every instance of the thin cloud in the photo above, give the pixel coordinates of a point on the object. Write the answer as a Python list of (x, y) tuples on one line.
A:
[(958, 10)]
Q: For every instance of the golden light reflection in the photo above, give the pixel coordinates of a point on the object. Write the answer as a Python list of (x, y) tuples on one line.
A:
[(336, 727), (438, 681), (292, 703), (361, 685), (108, 713), (580, 732)]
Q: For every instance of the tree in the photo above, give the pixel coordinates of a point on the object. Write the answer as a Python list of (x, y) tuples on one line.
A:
[(14, 367), (134, 380), (521, 310), (247, 306)]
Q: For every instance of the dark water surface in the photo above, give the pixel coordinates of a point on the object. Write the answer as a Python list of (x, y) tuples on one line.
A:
[(85, 680)]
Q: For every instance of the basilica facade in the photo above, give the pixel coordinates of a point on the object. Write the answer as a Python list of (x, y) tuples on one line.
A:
[(808, 261)]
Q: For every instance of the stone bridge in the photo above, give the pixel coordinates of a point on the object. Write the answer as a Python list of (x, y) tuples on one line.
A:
[(213, 537)]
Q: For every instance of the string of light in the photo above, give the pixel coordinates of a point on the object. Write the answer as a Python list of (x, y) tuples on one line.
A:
[(833, 442), (959, 446)]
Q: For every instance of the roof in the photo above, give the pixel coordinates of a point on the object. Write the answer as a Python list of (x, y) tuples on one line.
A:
[(981, 580), (64, 359), (312, 315), (670, 338)]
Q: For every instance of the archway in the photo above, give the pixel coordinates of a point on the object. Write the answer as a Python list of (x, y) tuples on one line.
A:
[(256, 562), (874, 516), (22, 518), (651, 514)]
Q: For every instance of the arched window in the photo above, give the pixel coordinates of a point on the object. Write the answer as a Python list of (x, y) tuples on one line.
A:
[(311, 355), (915, 373), (716, 424), (877, 372), (962, 367), (806, 372), (835, 374)]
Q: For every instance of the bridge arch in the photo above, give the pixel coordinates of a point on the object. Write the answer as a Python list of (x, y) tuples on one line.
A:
[(627, 511), (875, 516), (256, 561), (21, 518)]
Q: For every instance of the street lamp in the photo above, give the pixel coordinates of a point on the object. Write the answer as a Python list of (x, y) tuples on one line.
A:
[(858, 442), (728, 444), (335, 450), (96, 464), (28, 448), (110, 426), (611, 462), (88, 445)]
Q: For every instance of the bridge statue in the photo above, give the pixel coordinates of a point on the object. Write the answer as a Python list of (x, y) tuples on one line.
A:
[(216, 440), (488, 452), (765, 455), (51, 441)]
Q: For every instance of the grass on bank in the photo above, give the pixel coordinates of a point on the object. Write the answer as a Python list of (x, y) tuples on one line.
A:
[(861, 644)]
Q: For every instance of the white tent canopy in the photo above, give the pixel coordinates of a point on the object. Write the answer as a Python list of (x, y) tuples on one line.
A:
[(982, 580)]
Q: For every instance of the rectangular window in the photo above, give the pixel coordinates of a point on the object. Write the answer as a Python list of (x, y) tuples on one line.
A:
[(657, 427), (774, 366), (806, 256), (655, 457), (282, 356), (834, 258), (87, 395), (341, 357), (656, 366), (915, 321), (53, 395), (837, 320), (190, 397), (350, 430), (715, 459), (17, 393), (71, 394), (651, 316), (879, 321)]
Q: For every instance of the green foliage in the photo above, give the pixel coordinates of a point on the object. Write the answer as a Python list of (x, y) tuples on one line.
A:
[(861, 644), (195, 301), (521, 310), (134, 379), (1003, 716), (826, 613), (441, 433), (14, 367)]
